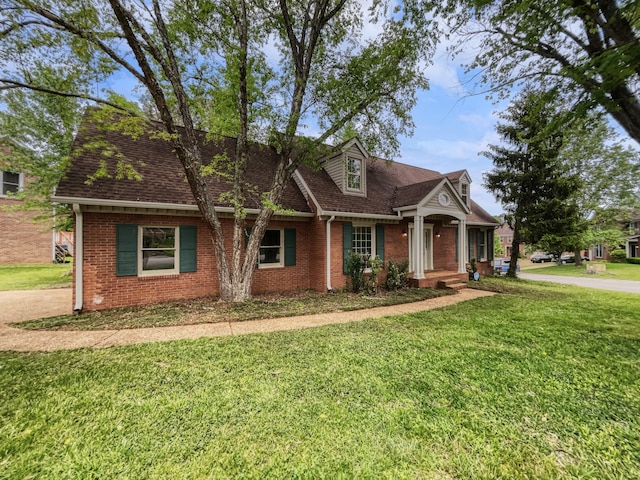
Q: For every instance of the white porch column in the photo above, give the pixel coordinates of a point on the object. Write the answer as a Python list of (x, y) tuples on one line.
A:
[(418, 247), (462, 250)]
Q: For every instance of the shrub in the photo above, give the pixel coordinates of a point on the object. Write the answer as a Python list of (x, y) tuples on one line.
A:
[(618, 256), (397, 275), (634, 260), (363, 272)]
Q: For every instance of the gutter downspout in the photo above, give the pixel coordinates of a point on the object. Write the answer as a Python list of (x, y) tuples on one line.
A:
[(328, 256), (78, 258)]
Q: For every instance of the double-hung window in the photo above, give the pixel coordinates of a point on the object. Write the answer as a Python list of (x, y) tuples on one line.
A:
[(159, 252), (354, 174), (271, 254), (11, 182), (464, 193), (362, 240)]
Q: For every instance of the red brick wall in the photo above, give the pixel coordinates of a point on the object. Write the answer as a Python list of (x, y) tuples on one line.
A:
[(22, 241), (103, 289)]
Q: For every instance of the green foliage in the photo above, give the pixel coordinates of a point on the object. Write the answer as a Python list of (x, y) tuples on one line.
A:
[(587, 50), (618, 256), (397, 275), (498, 249), (32, 277), (363, 272), (535, 186), (634, 260)]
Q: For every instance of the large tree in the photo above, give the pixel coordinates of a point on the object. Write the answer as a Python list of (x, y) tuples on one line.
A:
[(203, 64), (529, 179), (589, 49)]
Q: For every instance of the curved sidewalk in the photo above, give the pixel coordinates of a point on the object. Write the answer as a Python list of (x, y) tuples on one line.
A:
[(16, 339)]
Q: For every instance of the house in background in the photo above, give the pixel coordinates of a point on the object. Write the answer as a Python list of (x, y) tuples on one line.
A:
[(632, 245), (505, 235), (21, 239), (140, 242)]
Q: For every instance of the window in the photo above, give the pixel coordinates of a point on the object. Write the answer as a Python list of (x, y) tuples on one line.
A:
[(271, 249), (362, 242), (159, 251), (354, 174), (480, 238), (464, 193), (599, 251), (147, 251), (11, 182)]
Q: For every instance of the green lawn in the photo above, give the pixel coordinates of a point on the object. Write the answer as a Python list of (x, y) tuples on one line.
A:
[(542, 382), (29, 277), (620, 271)]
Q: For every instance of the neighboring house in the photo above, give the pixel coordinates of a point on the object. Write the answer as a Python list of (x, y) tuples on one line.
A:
[(139, 242), (21, 239), (505, 235), (632, 245)]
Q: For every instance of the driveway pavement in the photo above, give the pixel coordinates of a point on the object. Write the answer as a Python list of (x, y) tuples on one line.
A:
[(627, 286), (17, 306)]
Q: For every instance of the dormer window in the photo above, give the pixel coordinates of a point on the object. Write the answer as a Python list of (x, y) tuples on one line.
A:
[(464, 193), (354, 174)]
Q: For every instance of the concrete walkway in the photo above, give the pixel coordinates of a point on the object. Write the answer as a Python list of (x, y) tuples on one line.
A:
[(628, 286), (14, 306)]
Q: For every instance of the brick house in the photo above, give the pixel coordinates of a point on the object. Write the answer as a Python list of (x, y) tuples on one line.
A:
[(144, 241), (632, 245), (22, 240)]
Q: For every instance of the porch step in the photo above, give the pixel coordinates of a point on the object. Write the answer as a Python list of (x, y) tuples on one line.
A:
[(451, 284)]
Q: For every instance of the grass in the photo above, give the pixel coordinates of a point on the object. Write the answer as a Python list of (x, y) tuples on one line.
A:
[(209, 310), (619, 271), (541, 382), (32, 277)]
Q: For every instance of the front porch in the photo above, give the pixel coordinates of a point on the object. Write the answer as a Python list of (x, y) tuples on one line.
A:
[(440, 279)]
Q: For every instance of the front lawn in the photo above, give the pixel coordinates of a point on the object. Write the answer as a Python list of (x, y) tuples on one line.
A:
[(541, 382), (619, 271), (32, 277)]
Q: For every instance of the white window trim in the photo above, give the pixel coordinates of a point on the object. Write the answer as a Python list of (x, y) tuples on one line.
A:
[(157, 273), (373, 235), (280, 264), (465, 198), (20, 182), (346, 175)]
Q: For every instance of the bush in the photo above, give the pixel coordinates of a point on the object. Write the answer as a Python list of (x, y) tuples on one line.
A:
[(618, 256), (634, 260), (397, 275), (359, 278)]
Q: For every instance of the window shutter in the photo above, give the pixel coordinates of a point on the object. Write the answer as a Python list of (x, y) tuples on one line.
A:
[(347, 244), (188, 248), (471, 242), (289, 247), (380, 241), (457, 242), (490, 241), (480, 239), (126, 250)]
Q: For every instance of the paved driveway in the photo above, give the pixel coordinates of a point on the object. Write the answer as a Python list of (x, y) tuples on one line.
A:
[(19, 305), (628, 286)]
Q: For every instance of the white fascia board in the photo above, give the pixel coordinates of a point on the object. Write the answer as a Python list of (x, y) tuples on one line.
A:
[(162, 206), (308, 191), (482, 224)]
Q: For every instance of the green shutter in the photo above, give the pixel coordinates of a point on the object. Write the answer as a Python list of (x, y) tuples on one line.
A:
[(457, 242), (289, 247), (347, 244), (480, 239), (490, 241), (470, 237), (380, 241), (126, 250), (188, 248)]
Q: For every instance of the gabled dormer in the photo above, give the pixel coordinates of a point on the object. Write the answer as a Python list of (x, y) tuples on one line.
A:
[(347, 167), (462, 183)]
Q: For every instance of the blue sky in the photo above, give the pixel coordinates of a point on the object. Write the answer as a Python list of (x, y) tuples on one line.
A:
[(452, 128)]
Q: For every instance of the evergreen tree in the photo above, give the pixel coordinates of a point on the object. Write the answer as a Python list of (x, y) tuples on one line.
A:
[(528, 178)]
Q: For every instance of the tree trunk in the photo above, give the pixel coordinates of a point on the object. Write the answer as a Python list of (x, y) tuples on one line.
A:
[(578, 256)]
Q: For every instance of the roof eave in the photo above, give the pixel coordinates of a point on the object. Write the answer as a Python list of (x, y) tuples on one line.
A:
[(98, 202)]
